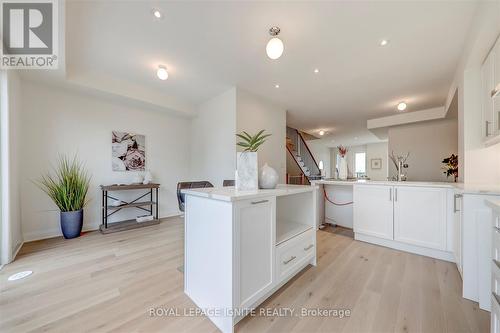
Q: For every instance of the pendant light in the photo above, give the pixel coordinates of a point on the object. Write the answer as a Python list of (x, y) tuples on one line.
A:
[(274, 47)]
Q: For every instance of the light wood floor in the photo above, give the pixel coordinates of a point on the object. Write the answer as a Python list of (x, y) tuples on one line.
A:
[(106, 283)]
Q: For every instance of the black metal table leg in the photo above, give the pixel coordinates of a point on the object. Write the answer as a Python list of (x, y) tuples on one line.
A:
[(106, 207), (157, 204), (151, 199)]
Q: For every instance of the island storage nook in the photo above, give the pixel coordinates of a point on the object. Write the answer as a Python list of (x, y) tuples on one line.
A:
[(240, 247)]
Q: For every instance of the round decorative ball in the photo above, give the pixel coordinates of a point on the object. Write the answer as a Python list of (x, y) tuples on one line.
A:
[(268, 177)]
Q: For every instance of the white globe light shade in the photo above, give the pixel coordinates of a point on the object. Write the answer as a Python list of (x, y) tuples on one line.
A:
[(162, 73), (274, 48)]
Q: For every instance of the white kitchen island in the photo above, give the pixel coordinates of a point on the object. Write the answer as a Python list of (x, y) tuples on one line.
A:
[(241, 246)]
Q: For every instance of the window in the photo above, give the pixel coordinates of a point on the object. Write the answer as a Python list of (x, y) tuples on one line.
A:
[(360, 164)]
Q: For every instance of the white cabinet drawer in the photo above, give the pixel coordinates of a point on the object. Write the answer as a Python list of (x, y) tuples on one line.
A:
[(293, 253)]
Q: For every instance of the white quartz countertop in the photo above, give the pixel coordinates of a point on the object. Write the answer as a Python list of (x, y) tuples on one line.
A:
[(481, 189), (494, 204), (231, 194), (382, 182)]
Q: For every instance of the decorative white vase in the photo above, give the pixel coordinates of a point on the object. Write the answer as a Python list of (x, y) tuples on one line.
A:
[(148, 178), (343, 168), (247, 171), (268, 177)]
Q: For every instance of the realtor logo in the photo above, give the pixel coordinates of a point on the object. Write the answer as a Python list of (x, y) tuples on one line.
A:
[(29, 34)]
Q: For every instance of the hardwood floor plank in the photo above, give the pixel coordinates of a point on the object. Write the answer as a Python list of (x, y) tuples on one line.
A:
[(108, 283)]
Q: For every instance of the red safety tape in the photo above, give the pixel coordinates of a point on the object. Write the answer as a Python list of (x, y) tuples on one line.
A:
[(336, 204)]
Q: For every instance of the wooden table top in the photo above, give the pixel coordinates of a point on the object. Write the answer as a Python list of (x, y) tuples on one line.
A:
[(138, 186)]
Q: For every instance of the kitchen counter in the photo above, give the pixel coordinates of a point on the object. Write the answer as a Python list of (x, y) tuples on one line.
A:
[(460, 188), (493, 204), (231, 194)]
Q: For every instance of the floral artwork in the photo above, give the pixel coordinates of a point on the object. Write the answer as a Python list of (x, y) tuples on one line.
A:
[(128, 151)]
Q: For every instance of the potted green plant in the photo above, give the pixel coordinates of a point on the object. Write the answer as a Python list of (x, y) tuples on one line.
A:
[(68, 188), (451, 166), (247, 162)]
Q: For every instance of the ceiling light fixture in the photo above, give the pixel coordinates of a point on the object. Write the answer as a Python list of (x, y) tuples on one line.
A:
[(316, 70), (384, 42), (274, 47), (321, 132), (276, 86), (402, 106), (162, 73), (156, 13)]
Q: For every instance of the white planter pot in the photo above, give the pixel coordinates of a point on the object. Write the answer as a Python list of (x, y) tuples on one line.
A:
[(343, 168), (247, 171)]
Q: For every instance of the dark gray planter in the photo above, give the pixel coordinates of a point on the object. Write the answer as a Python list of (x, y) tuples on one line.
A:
[(71, 223)]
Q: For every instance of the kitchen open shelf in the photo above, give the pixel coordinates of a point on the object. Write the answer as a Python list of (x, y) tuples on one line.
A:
[(286, 230)]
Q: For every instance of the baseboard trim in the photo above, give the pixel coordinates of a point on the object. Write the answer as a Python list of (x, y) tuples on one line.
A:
[(56, 232), (432, 253)]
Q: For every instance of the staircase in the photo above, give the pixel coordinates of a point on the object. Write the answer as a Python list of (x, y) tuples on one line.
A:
[(297, 147)]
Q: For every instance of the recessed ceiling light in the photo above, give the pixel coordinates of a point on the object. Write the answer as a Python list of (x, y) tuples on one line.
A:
[(402, 106), (321, 132), (384, 42), (162, 73), (316, 70), (276, 86), (157, 13), (274, 47)]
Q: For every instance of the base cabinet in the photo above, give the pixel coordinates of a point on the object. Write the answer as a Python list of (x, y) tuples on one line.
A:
[(410, 218), (420, 216), (373, 210), (254, 223)]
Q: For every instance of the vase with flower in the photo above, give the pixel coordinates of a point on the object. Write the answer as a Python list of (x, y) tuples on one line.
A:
[(342, 167)]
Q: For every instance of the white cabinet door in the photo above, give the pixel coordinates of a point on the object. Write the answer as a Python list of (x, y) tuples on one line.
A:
[(420, 216), (496, 85), (255, 248), (487, 78), (373, 210)]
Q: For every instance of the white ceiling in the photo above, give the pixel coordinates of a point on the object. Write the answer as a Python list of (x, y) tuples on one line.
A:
[(211, 46)]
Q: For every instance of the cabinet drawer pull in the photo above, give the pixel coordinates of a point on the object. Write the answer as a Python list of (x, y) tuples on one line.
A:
[(309, 247), (259, 202), (497, 263), (291, 259), (390, 194), (497, 229)]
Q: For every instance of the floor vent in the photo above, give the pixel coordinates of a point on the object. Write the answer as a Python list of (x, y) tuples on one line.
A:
[(20, 275)]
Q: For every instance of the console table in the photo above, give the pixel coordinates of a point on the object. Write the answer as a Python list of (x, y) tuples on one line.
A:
[(150, 206)]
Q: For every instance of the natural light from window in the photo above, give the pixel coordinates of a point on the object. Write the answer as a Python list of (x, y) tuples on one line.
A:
[(360, 164)]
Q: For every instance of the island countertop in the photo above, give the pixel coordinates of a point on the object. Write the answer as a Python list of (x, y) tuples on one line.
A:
[(231, 194)]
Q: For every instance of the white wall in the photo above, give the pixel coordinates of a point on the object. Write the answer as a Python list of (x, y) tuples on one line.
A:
[(213, 140), (10, 106), (55, 121), (428, 144), (377, 151), (254, 114)]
